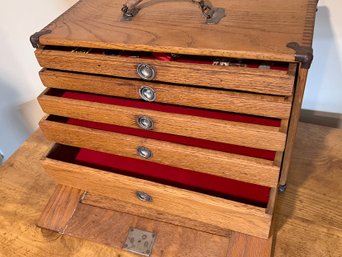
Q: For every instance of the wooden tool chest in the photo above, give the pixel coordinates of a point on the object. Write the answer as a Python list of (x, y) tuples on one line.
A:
[(174, 112)]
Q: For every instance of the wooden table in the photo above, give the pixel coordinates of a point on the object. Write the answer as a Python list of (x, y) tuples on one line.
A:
[(308, 215)]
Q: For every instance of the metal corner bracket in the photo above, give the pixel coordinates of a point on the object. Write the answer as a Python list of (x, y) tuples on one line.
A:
[(282, 188), (304, 54), (34, 39)]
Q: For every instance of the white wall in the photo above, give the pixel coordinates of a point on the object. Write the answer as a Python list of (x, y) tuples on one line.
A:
[(19, 82), (324, 86), (20, 85)]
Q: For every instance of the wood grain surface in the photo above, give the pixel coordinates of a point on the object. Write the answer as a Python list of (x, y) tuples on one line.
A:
[(238, 167), (293, 124), (239, 78), (215, 211), (223, 100), (64, 201), (170, 241), (307, 215), (253, 30), (236, 133), (110, 203)]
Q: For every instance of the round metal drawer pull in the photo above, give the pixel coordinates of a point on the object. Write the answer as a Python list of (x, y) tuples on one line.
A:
[(142, 196), (147, 93), (146, 71), (144, 152), (145, 122)]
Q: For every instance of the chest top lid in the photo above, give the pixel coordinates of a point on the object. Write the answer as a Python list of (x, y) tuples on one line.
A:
[(252, 29)]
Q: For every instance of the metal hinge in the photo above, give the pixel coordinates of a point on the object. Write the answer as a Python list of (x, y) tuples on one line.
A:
[(34, 39), (304, 54)]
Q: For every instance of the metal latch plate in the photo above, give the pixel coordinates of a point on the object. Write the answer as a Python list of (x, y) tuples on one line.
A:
[(139, 241)]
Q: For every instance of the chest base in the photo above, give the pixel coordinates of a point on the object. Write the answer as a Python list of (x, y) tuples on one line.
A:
[(96, 218)]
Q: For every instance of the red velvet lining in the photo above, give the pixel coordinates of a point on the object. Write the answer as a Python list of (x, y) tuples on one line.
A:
[(209, 60), (173, 109), (218, 186), (205, 183), (226, 188), (247, 151)]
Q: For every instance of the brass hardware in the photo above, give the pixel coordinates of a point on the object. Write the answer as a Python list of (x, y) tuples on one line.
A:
[(282, 188), (34, 39), (2, 157), (303, 54), (146, 71), (212, 14), (142, 196), (144, 152), (147, 93), (145, 122), (140, 242)]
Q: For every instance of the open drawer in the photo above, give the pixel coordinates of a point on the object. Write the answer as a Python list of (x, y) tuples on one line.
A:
[(191, 96), (100, 173), (226, 161), (244, 130), (189, 70)]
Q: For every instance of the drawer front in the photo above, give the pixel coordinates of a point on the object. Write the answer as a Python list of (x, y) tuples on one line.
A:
[(215, 211), (247, 169), (223, 100), (275, 82), (231, 132)]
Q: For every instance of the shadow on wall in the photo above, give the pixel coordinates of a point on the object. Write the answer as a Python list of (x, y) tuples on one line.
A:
[(13, 128), (324, 87)]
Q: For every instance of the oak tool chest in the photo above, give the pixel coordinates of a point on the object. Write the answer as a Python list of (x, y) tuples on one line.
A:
[(172, 116)]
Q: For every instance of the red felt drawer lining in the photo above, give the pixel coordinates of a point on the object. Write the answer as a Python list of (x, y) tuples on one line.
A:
[(211, 60), (209, 184), (196, 59), (187, 179), (172, 109), (206, 183), (236, 149)]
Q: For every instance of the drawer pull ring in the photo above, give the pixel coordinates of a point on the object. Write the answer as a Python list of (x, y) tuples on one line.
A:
[(144, 152), (145, 122), (147, 93), (142, 196), (146, 71)]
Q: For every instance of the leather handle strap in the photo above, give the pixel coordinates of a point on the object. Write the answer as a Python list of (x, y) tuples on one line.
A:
[(213, 15)]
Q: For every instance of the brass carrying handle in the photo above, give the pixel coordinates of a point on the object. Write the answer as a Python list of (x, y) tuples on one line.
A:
[(212, 14)]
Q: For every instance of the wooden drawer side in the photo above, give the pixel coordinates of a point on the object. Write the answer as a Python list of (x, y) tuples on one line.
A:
[(222, 100), (244, 79), (238, 167), (237, 133), (225, 214)]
